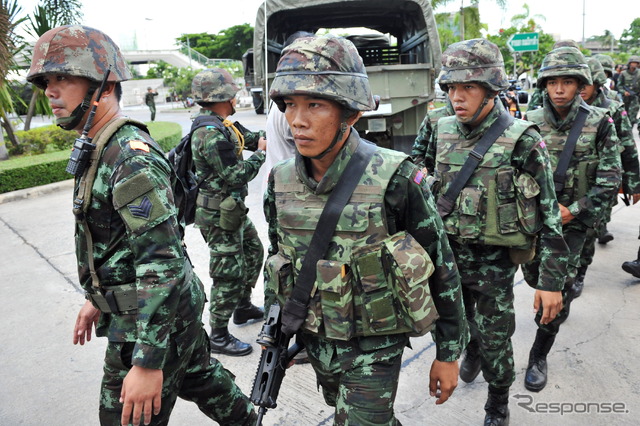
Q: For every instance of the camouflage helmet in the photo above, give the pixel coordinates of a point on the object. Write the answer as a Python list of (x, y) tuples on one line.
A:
[(597, 71), (476, 60), (566, 43), (213, 85), (634, 58), (79, 51), (564, 62), (607, 62), (323, 66)]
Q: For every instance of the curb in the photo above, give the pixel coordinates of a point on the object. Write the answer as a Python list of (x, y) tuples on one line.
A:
[(36, 191)]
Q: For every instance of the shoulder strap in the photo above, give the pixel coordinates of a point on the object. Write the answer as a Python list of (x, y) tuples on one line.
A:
[(207, 120), (295, 308), (447, 200), (560, 175), (83, 199)]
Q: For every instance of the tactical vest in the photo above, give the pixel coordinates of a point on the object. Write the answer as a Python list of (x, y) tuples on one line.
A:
[(498, 206), (369, 283), (581, 174)]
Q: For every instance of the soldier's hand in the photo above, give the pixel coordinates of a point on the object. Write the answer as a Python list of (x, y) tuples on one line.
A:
[(141, 393), (550, 302), (262, 144), (86, 320), (566, 215), (443, 379)]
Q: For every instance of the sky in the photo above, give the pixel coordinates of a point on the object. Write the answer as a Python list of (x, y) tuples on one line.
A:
[(156, 26)]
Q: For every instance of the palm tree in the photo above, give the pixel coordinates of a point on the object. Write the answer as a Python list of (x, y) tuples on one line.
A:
[(49, 14), (436, 3), (10, 45)]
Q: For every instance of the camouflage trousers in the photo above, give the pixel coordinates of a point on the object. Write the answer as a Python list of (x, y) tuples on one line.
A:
[(632, 106), (152, 109), (235, 265), (189, 373), (575, 235), (358, 377), (487, 276)]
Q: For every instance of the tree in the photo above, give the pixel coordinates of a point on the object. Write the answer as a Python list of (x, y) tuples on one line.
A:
[(49, 14), (463, 22), (230, 43), (630, 39), (526, 61), (10, 45)]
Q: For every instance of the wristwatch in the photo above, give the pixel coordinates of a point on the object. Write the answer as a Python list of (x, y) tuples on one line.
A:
[(261, 151), (574, 209)]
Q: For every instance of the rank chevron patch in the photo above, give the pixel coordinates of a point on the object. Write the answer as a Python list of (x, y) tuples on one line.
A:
[(142, 210)]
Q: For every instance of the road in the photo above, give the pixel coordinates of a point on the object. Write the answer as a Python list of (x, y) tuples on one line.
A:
[(46, 380)]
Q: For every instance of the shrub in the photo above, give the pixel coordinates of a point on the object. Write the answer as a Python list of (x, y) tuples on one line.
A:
[(43, 139), (33, 170)]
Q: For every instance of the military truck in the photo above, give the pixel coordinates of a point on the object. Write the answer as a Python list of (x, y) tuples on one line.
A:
[(397, 39)]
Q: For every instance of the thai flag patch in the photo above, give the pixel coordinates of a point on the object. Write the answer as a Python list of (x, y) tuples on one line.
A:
[(419, 176)]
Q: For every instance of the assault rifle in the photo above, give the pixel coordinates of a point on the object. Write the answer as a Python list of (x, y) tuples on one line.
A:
[(276, 356)]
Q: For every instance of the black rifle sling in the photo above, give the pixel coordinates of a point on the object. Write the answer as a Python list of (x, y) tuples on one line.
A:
[(446, 202), (560, 175), (295, 308)]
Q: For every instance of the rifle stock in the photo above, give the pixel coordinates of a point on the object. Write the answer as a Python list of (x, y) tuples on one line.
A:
[(276, 356)]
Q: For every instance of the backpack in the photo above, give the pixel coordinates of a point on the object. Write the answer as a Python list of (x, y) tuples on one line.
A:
[(181, 158)]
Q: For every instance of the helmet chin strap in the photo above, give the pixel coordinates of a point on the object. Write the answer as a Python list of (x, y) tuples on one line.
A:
[(339, 134), (71, 122), (484, 103)]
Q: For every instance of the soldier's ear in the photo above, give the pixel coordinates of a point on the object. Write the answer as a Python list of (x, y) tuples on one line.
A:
[(353, 118)]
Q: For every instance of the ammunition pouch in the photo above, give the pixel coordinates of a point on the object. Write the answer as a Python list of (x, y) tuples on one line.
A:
[(382, 290), (233, 213)]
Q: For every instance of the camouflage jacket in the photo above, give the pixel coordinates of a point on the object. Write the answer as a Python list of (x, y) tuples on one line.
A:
[(594, 172), (535, 101), (408, 206), (528, 158), (418, 152), (219, 161), (137, 239), (629, 154), (629, 82)]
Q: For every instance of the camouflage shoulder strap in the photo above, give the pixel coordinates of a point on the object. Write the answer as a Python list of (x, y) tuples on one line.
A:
[(82, 201), (560, 175), (446, 201), (295, 308)]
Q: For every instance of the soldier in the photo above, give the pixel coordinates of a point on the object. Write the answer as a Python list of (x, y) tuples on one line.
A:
[(536, 97), (235, 248), (149, 100), (608, 65), (583, 148), (418, 152), (629, 85), (493, 213), (595, 96), (140, 287), (354, 332)]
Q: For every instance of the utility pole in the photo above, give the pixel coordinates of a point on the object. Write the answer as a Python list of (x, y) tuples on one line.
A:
[(583, 17)]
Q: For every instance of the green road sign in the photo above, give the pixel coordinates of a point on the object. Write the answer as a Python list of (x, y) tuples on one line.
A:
[(523, 42)]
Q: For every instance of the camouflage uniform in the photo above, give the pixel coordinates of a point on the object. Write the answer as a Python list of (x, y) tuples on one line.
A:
[(419, 150), (592, 178), (354, 337), (236, 251), (137, 249), (514, 169), (149, 100), (630, 82), (629, 161), (535, 101)]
